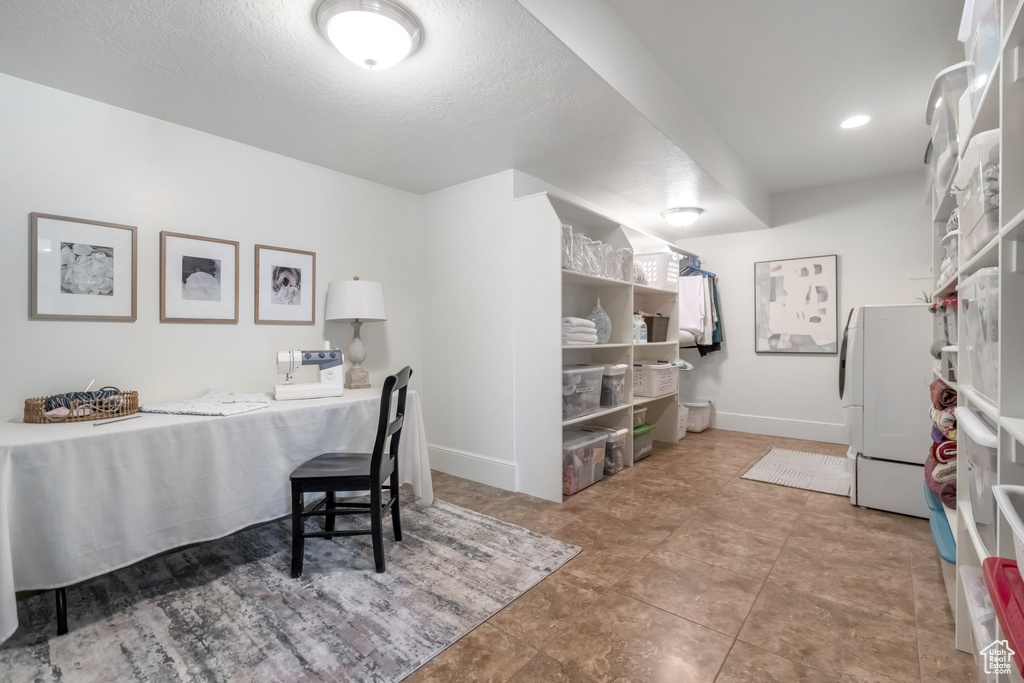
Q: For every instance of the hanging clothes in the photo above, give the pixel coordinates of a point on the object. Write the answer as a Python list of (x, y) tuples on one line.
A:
[(691, 306)]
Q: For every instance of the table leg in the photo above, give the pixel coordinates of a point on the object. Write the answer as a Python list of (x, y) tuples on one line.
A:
[(62, 611)]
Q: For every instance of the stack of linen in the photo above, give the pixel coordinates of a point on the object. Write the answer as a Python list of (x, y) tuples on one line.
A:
[(578, 331), (940, 466)]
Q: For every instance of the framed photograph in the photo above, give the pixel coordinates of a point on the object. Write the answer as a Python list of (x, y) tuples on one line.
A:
[(795, 305), (82, 270), (198, 279), (285, 286)]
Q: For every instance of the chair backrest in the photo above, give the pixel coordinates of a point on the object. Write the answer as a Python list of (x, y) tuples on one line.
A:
[(392, 394)]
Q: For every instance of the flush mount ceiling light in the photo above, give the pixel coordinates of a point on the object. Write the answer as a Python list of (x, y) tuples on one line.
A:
[(855, 121), (375, 34), (682, 217)]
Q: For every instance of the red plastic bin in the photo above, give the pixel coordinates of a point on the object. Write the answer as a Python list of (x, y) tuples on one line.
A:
[(1006, 586)]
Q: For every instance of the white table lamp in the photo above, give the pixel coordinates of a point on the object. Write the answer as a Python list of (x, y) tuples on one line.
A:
[(359, 301)]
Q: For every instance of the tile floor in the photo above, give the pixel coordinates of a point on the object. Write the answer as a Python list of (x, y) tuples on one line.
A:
[(689, 573)]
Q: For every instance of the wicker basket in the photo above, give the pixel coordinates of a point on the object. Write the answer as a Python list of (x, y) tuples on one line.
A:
[(83, 411)]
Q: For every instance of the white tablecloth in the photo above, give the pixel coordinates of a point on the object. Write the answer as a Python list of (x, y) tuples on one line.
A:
[(78, 501)]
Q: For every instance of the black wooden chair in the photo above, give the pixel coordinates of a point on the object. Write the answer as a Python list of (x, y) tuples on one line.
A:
[(331, 472)]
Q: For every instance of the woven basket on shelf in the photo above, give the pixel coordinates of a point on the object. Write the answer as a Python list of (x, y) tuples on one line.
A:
[(82, 411)]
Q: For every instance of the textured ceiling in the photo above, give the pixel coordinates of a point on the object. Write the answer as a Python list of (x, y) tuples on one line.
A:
[(776, 78), (490, 89)]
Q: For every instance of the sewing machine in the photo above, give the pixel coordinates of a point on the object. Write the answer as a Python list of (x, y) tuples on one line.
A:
[(331, 379)]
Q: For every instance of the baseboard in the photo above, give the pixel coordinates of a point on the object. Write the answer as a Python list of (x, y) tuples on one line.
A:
[(778, 426), (474, 466)]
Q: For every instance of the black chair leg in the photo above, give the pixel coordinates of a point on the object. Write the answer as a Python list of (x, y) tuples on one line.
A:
[(62, 611), (377, 529), (329, 519), (298, 541), (396, 518)]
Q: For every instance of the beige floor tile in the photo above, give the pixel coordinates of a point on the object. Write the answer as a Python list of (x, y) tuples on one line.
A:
[(738, 551), (544, 669), (548, 608), (621, 639), (709, 595), (748, 664), (765, 494), (941, 662), (839, 508), (833, 637), (838, 578), (749, 516), (839, 536), (486, 654), (931, 603)]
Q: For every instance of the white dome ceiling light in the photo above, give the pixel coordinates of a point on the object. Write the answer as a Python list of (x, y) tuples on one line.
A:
[(855, 121), (375, 34), (682, 217)]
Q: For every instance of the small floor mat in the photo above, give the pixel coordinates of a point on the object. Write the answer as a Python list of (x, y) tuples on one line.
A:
[(800, 470)]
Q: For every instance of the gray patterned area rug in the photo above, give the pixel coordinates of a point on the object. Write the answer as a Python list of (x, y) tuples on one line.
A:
[(228, 610)]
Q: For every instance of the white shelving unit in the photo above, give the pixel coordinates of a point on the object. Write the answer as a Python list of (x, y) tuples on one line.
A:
[(1002, 106), (538, 219)]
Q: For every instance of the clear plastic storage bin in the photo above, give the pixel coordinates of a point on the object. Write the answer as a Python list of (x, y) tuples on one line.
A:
[(582, 460), (567, 246), (639, 416), (943, 116), (981, 444), (698, 414), (979, 304), (1010, 500), (979, 32), (651, 379), (661, 269), (643, 441), (614, 447), (983, 618), (613, 385), (581, 390), (977, 193)]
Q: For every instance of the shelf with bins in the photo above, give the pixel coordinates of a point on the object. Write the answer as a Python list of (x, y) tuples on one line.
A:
[(644, 400), (987, 257), (593, 416), (595, 347), (949, 383), (574, 277), (945, 289)]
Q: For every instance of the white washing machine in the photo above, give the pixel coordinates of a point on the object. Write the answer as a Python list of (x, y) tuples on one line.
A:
[(884, 373)]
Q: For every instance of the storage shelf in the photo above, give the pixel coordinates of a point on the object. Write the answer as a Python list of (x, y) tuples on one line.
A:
[(573, 277), (946, 288), (1013, 226), (940, 213), (951, 519), (964, 512), (988, 111), (951, 385), (644, 400), (574, 347), (592, 416), (980, 402), (647, 289), (1015, 426), (641, 345), (988, 256)]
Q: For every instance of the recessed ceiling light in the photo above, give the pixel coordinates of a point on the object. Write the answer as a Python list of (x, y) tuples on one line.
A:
[(681, 217), (375, 34), (855, 121)]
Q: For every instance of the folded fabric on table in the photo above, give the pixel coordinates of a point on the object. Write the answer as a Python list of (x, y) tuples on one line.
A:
[(216, 403), (578, 321), (944, 452), (945, 490), (579, 338), (943, 396)]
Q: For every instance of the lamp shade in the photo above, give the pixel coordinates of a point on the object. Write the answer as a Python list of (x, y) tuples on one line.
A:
[(355, 299)]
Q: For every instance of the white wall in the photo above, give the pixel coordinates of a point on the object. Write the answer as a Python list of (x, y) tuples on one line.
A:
[(67, 155), (467, 292), (880, 230)]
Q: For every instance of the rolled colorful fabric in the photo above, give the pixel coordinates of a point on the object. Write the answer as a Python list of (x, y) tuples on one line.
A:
[(937, 435), (944, 452), (946, 491), (943, 396)]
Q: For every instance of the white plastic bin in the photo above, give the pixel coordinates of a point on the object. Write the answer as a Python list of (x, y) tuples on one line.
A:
[(639, 416), (983, 617), (614, 447), (1010, 500), (943, 116), (581, 390), (977, 193), (698, 414), (979, 304), (981, 444), (613, 385), (582, 459), (979, 32), (652, 379), (684, 414), (661, 269)]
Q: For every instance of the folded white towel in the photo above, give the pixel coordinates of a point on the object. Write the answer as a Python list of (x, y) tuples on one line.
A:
[(579, 343), (579, 321), (579, 329), (579, 337)]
